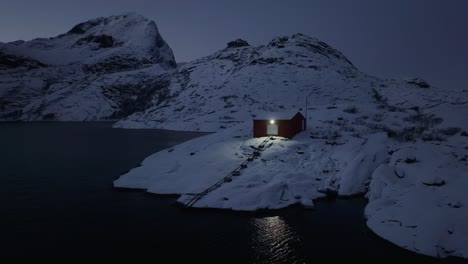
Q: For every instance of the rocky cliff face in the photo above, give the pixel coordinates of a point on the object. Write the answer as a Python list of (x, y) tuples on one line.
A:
[(100, 69)]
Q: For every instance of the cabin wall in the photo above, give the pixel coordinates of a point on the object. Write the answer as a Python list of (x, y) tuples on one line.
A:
[(296, 123), (260, 128), (286, 128)]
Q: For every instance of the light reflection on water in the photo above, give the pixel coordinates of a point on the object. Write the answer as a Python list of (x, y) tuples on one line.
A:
[(274, 241)]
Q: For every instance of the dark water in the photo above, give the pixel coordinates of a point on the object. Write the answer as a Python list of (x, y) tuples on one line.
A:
[(57, 199)]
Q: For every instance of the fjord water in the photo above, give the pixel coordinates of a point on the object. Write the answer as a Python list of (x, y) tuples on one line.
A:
[(57, 199)]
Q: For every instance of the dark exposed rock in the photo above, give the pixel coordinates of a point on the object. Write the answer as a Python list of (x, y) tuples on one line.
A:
[(237, 43), (10, 61), (330, 193), (138, 98), (159, 41), (437, 183), (278, 42), (449, 131), (49, 116), (116, 64), (104, 41), (424, 120), (266, 61), (77, 30), (83, 27), (13, 115), (418, 82), (411, 160), (399, 173), (455, 204)]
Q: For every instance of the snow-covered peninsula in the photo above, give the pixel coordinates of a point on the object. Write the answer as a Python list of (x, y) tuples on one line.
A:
[(416, 188), (401, 143)]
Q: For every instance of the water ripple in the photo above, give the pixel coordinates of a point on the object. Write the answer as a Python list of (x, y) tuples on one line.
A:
[(274, 241)]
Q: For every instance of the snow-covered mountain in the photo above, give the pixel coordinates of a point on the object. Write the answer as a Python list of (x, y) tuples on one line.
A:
[(241, 81), (234, 83), (102, 68)]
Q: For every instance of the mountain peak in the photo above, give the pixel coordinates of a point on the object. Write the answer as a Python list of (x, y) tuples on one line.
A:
[(297, 49), (128, 36), (310, 44), (82, 28)]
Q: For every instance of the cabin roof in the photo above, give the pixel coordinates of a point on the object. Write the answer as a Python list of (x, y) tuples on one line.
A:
[(276, 115)]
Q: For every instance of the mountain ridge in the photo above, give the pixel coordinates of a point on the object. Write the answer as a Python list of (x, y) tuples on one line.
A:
[(117, 67), (235, 83)]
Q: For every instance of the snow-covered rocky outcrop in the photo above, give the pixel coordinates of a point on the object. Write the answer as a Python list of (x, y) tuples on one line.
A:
[(103, 68), (418, 198), (415, 176)]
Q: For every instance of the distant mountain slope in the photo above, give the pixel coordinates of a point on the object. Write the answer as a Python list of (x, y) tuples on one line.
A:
[(102, 68)]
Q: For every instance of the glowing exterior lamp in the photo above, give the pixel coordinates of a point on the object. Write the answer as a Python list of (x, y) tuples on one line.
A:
[(272, 121)]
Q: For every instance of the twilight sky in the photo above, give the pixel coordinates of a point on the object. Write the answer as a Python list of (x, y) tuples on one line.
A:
[(386, 38)]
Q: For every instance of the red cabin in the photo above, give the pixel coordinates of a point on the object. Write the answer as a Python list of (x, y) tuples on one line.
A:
[(279, 124)]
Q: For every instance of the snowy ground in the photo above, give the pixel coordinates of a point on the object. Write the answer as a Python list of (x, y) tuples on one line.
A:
[(418, 199)]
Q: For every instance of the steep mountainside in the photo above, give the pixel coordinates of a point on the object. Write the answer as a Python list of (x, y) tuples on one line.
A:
[(241, 81), (102, 68)]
